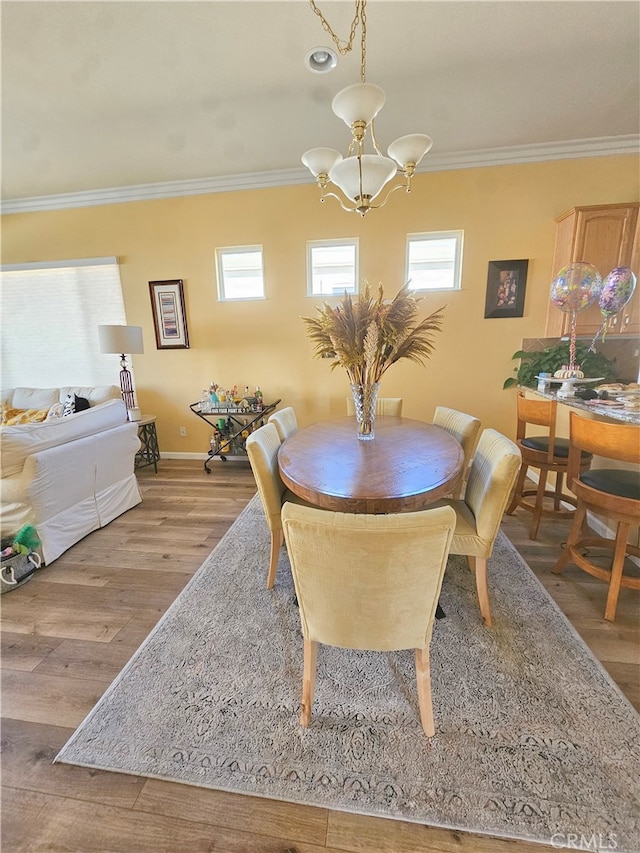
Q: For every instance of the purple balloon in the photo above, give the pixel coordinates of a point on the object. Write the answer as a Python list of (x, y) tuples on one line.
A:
[(576, 287), (616, 291)]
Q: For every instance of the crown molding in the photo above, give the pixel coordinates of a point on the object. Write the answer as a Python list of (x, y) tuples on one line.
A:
[(514, 155)]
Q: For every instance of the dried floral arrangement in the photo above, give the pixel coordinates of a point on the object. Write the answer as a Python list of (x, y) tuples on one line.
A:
[(367, 335)]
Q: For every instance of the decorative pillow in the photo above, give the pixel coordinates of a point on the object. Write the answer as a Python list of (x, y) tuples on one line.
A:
[(54, 412), (11, 416), (80, 404), (69, 406)]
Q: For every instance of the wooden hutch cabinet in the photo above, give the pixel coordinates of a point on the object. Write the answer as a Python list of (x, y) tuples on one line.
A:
[(606, 236)]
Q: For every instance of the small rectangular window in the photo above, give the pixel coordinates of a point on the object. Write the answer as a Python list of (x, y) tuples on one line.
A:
[(240, 273), (332, 267), (434, 260)]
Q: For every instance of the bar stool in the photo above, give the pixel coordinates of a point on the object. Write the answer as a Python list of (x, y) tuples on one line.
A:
[(613, 493), (549, 455)]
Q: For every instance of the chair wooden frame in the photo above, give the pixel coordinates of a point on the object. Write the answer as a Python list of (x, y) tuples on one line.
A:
[(541, 413), (614, 441)]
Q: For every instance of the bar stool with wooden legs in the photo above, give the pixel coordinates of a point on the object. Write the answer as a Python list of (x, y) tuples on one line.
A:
[(548, 454), (612, 493)]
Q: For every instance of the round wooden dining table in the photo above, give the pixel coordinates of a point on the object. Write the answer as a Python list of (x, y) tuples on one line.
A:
[(407, 466)]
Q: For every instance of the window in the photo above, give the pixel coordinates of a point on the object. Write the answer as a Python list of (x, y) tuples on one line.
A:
[(434, 260), (332, 267), (50, 318), (240, 274)]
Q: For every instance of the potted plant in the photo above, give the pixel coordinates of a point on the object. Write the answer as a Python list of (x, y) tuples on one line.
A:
[(552, 358)]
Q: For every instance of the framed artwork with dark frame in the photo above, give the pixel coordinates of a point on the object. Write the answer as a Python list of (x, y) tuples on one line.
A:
[(506, 284), (169, 317)]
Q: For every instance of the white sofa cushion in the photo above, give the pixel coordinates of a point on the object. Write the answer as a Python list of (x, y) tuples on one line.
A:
[(18, 442), (33, 398), (95, 396)]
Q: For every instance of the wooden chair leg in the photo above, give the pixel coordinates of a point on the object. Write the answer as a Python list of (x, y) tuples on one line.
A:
[(308, 680), (539, 505), (574, 536), (423, 678), (557, 495), (517, 492), (472, 563), (617, 567), (277, 538), (483, 591)]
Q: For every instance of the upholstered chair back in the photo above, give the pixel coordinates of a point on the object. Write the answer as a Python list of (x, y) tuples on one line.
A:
[(463, 427), (262, 449), (384, 406), (285, 422), (367, 581)]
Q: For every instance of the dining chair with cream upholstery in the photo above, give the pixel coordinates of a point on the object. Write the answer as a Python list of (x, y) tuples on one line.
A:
[(463, 427), (285, 422), (368, 582), (262, 449), (549, 455), (478, 515), (384, 406), (611, 492)]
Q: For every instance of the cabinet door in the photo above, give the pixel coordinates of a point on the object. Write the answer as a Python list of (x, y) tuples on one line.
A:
[(605, 237)]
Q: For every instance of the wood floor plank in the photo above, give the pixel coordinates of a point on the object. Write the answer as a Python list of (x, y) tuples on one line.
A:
[(28, 750), (25, 651), (49, 699), (73, 826), (250, 814), (66, 632)]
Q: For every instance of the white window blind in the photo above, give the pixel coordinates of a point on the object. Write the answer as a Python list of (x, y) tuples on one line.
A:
[(332, 267), (434, 260), (50, 318)]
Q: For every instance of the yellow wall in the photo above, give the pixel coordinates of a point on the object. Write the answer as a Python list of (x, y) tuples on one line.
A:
[(506, 212)]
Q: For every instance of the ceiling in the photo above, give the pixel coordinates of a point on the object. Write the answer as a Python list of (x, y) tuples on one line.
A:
[(99, 95)]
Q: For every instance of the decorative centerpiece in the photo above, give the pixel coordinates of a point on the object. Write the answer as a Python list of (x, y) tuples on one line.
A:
[(366, 336)]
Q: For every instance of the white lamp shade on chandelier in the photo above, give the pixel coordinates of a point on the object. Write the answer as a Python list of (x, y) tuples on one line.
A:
[(320, 161), (362, 176), (409, 149), (360, 102)]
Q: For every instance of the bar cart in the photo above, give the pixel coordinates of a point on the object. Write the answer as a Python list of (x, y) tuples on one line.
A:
[(231, 425)]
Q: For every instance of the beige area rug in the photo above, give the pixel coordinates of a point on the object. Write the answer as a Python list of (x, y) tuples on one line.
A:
[(533, 740)]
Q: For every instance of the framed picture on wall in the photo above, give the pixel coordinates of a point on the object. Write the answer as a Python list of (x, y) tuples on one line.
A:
[(506, 284), (169, 317)]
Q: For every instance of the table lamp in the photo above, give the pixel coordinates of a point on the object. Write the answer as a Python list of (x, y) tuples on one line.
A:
[(122, 339)]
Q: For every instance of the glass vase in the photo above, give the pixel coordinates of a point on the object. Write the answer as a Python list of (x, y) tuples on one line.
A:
[(365, 397)]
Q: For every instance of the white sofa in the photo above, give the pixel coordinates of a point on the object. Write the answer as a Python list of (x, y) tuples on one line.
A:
[(70, 475)]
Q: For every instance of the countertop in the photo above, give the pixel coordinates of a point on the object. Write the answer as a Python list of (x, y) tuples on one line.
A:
[(610, 412)]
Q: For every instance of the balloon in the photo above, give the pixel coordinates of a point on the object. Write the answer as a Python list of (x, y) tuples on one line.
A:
[(576, 287), (617, 290)]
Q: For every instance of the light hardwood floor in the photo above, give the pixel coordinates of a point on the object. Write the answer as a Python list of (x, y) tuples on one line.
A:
[(68, 632)]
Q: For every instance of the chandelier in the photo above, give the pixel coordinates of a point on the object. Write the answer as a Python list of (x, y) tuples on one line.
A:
[(361, 176)]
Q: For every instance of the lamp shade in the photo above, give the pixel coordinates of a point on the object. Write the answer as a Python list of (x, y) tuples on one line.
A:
[(359, 102), (376, 172), (410, 148), (120, 339), (320, 161)]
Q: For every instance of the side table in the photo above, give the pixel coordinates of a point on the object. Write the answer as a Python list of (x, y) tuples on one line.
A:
[(149, 453)]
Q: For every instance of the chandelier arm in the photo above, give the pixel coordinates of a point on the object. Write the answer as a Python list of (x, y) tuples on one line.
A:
[(339, 200), (405, 187), (373, 140)]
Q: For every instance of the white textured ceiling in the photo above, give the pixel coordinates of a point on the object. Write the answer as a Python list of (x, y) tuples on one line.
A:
[(107, 94)]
